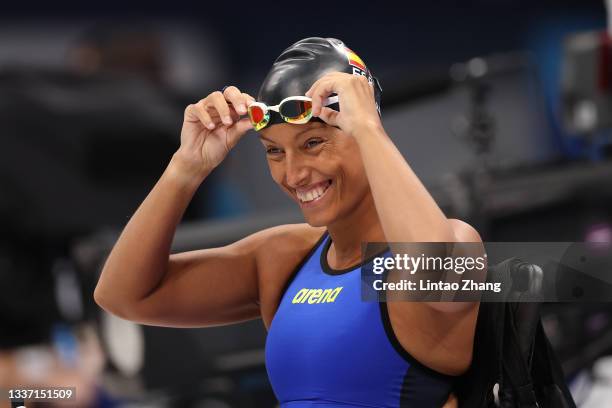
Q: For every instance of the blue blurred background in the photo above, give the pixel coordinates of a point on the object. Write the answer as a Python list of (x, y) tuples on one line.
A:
[(501, 107)]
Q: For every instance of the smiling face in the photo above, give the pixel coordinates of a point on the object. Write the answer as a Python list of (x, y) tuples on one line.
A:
[(319, 167)]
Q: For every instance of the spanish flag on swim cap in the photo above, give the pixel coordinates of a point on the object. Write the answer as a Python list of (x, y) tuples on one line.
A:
[(354, 59)]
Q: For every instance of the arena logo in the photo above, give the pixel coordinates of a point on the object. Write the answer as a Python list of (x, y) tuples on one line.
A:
[(312, 296)]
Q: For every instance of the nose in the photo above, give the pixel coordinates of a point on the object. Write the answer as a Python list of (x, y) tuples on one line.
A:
[(296, 170)]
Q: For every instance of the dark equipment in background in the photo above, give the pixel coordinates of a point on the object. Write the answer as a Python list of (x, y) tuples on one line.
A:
[(586, 100), (85, 134), (587, 82), (80, 135), (67, 168)]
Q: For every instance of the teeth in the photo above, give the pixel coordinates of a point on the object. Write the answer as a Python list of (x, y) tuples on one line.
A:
[(311, 194)]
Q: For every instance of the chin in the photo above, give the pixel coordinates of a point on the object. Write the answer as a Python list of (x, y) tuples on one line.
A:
[(317, 220)]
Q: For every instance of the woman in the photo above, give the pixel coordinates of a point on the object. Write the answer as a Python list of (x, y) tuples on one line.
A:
[(352, 186)]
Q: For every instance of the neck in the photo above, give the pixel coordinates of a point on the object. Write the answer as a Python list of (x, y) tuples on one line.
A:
[(347, 234)]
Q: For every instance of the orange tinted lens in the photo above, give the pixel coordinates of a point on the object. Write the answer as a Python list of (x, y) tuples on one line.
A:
[(259, 118), (256, 113), (294, 111)]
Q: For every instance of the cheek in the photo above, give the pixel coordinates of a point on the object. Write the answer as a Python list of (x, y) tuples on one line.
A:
[(276, 171), (355, 175), (351, 166), (332, 165)]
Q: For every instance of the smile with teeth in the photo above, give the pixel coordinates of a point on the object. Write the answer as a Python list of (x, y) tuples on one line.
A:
[(313, 193)]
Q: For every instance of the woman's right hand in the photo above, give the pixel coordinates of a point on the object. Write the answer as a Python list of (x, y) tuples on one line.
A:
[(211, 128)]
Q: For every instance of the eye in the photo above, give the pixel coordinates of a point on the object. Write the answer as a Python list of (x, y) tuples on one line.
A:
[(310, 143), (272, 150)]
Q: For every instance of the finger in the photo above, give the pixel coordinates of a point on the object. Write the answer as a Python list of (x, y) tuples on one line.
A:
[(204, 116), (237, 130), (218, 102), (248, 98), (312, 93), (315, 85), (320, 92), (318, 81), (329, 76), (195, 114), (309, 91), (190, 115), (216, 117), (329, 116), (236, 98)]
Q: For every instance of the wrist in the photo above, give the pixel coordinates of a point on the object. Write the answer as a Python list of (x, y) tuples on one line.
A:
[(186, 173), (368, 129)]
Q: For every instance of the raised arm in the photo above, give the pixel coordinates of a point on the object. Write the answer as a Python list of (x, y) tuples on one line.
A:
[(140, 280), (407, 212)]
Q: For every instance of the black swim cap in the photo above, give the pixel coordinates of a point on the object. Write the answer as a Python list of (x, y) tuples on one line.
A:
[(300, 65)]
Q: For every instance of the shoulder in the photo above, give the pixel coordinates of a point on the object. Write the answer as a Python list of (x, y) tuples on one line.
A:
[(285, 246), (278, 252), (464, 232), (274, 251), (281, 237), (285, 238)]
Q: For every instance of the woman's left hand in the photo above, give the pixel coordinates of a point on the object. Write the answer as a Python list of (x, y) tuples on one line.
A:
[(356, 99)]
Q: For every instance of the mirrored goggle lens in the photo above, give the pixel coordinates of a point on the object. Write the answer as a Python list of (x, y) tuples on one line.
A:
[(259, 118), (296, 111)]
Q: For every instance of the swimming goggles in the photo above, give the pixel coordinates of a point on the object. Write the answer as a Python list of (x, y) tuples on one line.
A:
[(293, 109)]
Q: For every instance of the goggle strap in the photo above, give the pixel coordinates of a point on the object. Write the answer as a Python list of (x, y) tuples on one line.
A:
[(331, 100), (328, 101)]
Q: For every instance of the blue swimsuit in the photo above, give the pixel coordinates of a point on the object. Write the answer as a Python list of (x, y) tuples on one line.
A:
[(327, 347)]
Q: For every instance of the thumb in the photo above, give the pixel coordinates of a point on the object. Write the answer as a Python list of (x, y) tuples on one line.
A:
[(329, 116), (237, 130)]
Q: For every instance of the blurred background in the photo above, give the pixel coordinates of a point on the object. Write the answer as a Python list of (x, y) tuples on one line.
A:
[(502, 107)]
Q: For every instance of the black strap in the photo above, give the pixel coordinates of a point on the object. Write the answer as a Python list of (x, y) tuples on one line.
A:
[(516, 369)]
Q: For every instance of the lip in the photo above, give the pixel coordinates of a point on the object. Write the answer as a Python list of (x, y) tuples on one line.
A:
[(317, 201)]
